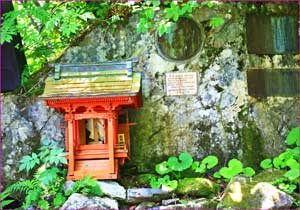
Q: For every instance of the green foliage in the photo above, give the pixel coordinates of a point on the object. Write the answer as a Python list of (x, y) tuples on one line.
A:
[(59, 200), (294, 137), (184, 161), (164, 182), (170, 13), (207, 163), (175, 168), (86, 186), (47, 180), (289, 161), (49, 154), (235, 167), (4, 202), (216, 22), (266, 164), (47, 28)]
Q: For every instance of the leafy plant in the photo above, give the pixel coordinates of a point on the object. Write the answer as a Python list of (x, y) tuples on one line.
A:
[(289, 161), (45, 189), (207, 163), (170, 13), (235, 167), (86, 186), (175, 165), (175, 168), (5, 202), (164, 182), (49, 28)]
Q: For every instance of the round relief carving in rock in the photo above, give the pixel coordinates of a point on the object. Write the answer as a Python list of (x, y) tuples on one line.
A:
[(183, 42)]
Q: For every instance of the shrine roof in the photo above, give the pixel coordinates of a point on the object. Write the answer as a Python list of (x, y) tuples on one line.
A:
[(92, 80)]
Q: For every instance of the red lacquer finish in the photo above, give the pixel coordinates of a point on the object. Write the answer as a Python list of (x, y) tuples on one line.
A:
[(101, 160)]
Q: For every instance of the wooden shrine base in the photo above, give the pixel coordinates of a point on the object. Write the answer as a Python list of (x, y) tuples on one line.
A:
[(85, 168)]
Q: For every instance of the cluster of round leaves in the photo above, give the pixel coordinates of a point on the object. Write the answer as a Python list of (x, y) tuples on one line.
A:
[(235, 167), (176, 165), (183, 162), (288, 159)]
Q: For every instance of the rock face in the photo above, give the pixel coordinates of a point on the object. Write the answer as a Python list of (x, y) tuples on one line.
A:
[(79, 201), (25, 122), (196, 187), (221, 119), (242, 193)]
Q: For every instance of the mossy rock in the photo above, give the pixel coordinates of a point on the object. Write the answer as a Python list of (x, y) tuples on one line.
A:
[(243, 193), (144, 179), (196, 187), (268, 175), (141, 180)]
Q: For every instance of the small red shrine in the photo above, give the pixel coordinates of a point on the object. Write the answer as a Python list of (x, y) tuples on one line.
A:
[(94, 99)]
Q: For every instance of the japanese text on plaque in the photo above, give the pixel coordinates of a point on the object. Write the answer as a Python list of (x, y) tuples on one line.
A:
[(181, 83)]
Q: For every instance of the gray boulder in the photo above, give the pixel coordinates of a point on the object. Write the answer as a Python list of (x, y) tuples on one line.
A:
[(244, 193), (109, 188), (137, 195), (79, 201), (201, 203), (112, 189)]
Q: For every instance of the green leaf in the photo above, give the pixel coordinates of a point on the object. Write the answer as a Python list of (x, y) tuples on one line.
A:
[(292, 174), (185, 161), (248, 171), (22, 167), (293, 164), (170, 185), (292, 188), (195, 165), (156, 3), (49, 176), (154, 183), (149, 12), (43, 204), (216, 22), (59, 200), (294, 137), (277, 162), (210, 161), (227, 173), (162, 168), (64, 161), (236, 165), (217, 175), (6, 202), (175, 17), (266, 164), (87, 15), (201, 169)]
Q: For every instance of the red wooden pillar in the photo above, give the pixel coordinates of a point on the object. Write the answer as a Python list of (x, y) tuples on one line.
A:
[(112, 129), (71, 166)]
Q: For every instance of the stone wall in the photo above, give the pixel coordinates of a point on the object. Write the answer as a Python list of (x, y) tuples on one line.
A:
[(25, 122), (222, 119)]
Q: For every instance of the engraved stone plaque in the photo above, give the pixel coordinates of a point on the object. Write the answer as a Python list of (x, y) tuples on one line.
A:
[(177, 84)]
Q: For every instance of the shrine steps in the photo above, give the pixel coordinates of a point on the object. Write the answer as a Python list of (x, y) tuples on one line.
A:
[(85, 168)]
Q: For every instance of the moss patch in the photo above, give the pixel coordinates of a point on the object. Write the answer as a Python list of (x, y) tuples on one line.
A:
[(252, 144), (196, 187)]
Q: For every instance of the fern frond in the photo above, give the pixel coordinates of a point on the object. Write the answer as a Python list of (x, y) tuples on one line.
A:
[(21, 186)]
